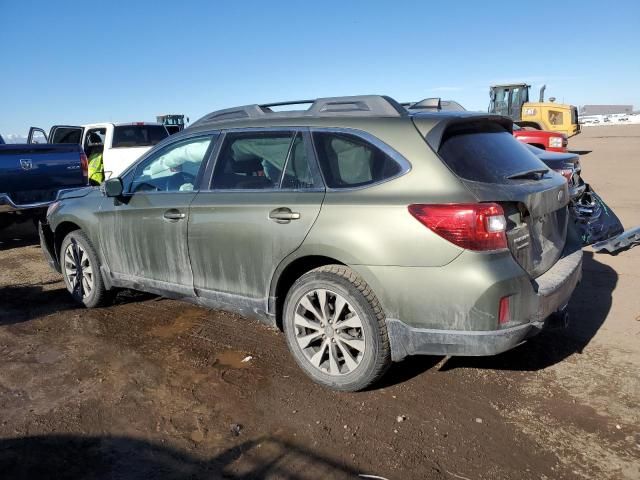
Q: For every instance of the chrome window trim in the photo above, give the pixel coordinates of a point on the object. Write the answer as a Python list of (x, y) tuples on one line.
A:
[(263, 190), (405, 165)]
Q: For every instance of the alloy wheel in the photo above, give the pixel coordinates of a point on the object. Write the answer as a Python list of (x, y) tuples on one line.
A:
[(329, 332), (78, 270)]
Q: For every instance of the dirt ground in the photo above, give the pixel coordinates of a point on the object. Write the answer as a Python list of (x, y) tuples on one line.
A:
[(154, 388)]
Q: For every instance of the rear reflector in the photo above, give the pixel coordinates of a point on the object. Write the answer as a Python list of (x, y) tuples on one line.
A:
[(504, 313), (474, 226)]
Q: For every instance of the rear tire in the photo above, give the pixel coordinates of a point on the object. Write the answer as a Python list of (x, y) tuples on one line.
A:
[(336, 330), (81, 271)]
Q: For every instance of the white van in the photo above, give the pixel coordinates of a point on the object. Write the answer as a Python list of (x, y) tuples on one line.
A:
[(120, 143)]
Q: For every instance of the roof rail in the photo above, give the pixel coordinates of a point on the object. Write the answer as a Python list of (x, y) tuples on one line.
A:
[(355, 106), (280, 104), (434, 104)]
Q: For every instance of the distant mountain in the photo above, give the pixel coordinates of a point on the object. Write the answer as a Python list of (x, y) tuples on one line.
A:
[(14, 138)]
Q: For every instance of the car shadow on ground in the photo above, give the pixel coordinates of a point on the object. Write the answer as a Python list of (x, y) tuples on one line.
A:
[(17, 242), (588, 309), (16, 236), (115, 457), (25, 302), (410, 367)]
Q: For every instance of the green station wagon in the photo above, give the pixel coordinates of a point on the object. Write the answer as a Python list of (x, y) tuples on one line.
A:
[(365, 232)]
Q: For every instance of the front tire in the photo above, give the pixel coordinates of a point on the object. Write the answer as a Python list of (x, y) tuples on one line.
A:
[(81, 271), (336, 330)]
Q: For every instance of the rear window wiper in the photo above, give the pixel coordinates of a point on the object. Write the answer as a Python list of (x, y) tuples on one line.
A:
[(536, 173)]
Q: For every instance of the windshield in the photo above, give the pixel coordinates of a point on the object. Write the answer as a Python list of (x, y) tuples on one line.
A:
[(486, 152), (138, 135)]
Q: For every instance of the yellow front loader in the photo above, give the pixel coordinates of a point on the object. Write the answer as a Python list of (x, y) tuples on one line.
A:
[(512, 100)]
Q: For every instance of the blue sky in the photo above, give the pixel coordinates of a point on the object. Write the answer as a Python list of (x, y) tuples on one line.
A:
[(80, 62)]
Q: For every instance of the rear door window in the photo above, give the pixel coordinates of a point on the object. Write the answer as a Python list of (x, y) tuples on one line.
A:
[(252, 160), (349, 161), (265, 160), (298, 174), (486, 152), (127, 136)]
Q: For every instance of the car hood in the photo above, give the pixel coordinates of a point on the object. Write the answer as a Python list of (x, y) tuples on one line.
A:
[(78, 192), (532, 132)]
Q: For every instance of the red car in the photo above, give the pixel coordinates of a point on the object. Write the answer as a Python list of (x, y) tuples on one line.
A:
[(550, 141)]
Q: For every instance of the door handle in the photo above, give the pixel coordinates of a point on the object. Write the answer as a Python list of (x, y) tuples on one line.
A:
[(174, 214), (283, 215)]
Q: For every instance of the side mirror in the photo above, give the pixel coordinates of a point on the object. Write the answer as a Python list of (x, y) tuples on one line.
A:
[(113, 187)]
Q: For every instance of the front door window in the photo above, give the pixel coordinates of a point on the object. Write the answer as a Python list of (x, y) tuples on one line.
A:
[(174, 169)]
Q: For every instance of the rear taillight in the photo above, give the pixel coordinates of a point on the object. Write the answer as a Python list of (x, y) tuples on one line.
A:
[(84, 165), (556, 142), (474, 226)]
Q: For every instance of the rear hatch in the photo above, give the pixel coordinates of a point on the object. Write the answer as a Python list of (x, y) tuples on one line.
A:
[(495, 167)]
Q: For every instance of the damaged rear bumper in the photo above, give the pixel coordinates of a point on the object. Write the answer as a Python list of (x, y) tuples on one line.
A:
[(552, 293)]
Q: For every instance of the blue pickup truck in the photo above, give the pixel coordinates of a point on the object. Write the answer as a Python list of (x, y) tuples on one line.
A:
[(33, 176)]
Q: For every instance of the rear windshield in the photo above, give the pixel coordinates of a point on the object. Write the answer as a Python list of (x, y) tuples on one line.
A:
[(138, 135), (486, 152)]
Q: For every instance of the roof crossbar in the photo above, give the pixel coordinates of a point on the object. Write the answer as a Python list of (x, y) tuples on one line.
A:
[(281, 104), (356, 106)]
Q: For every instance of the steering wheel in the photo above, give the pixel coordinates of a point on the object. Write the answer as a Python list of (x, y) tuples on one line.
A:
[(189, 178), (178, 179)]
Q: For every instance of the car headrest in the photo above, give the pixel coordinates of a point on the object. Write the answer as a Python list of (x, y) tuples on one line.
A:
[(94, 140), (247, 164)]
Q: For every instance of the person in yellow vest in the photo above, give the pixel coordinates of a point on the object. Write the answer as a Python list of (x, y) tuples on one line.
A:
[(95, 148), (96, 170)]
